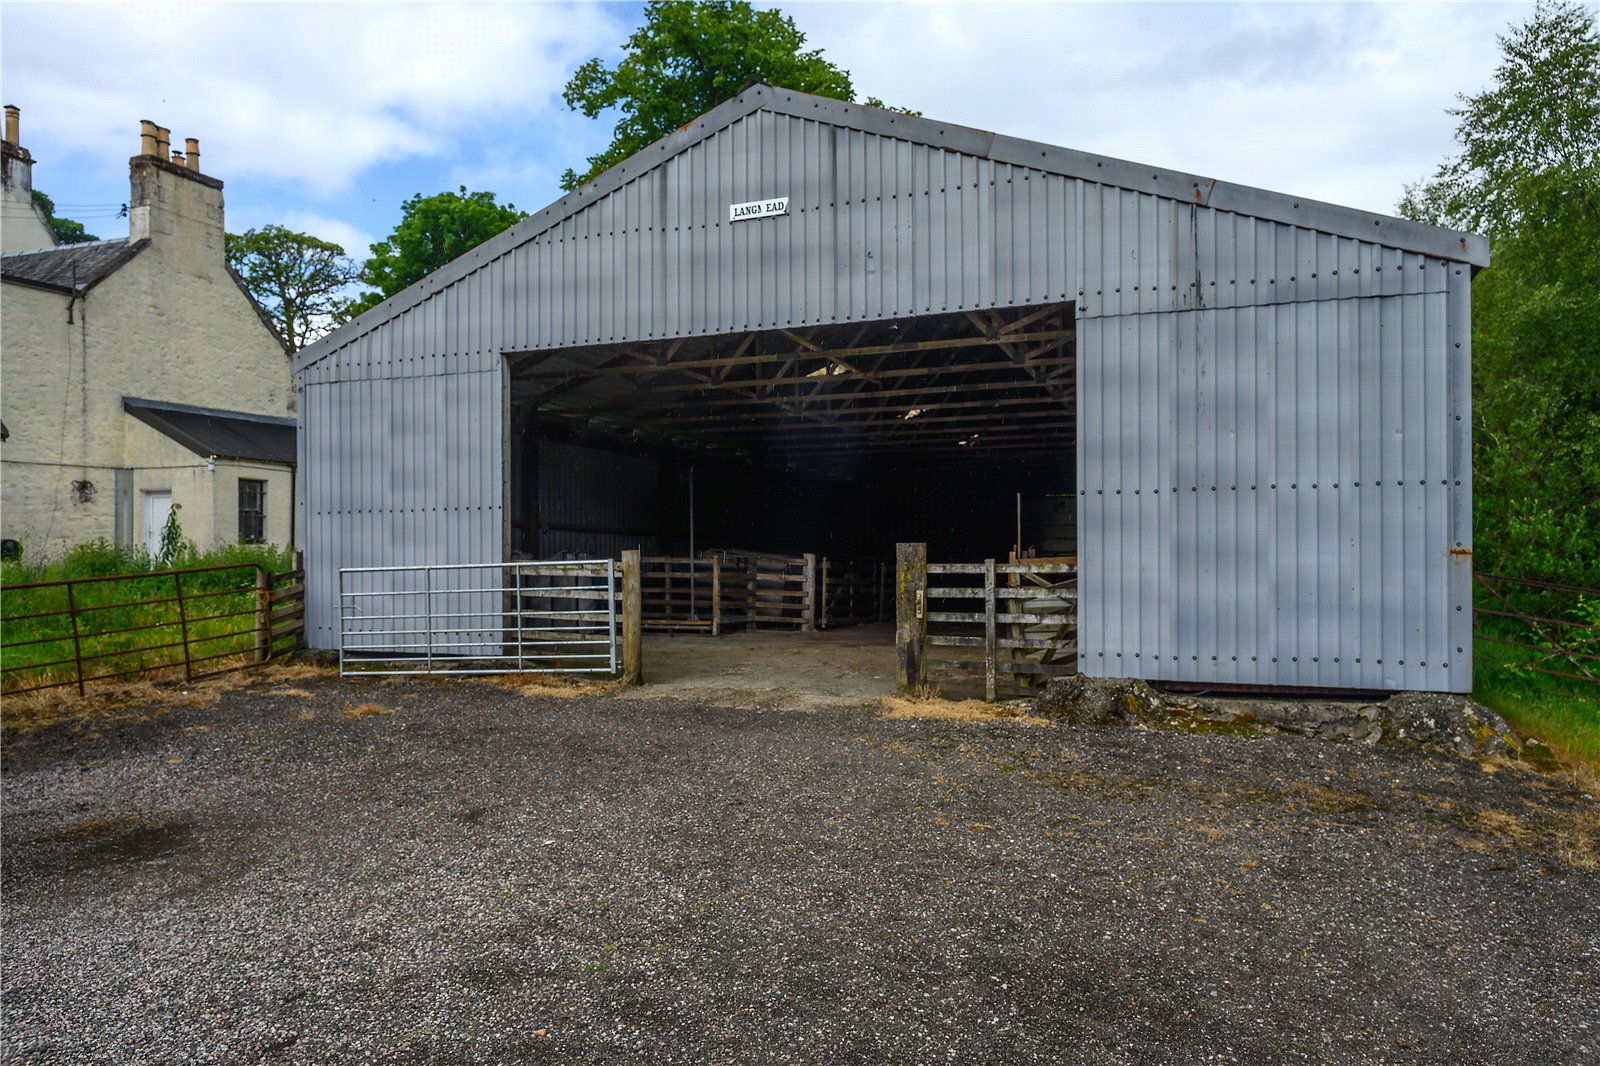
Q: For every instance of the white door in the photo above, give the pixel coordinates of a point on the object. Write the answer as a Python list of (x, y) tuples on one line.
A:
[(157, 505)]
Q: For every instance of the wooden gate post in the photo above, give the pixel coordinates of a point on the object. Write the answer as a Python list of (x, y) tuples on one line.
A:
[(632, 619), (883, 585), (991, 639), (263, 615), (822, 601), (716, 595), (910, 622), (808, 620)]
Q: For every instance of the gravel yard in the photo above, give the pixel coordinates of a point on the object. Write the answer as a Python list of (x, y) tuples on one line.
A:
[(457, 872)]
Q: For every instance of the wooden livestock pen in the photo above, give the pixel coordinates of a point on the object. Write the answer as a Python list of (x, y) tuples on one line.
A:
[(718, 590), (704, 594), (721, 591), (780, 589), (1014, 623), (853, 590)]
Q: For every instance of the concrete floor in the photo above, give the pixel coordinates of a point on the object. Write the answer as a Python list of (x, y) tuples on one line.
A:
[(774, 668)]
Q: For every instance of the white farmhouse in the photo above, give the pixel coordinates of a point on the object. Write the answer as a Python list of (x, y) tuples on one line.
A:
[(137, 374)]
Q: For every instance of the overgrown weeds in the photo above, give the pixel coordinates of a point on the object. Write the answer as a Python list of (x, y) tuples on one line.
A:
[(131, 619)]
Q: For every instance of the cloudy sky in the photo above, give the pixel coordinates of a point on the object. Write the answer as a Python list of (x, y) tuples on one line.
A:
[(325, 117)]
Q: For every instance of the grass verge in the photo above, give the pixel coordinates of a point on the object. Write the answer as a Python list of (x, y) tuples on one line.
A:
[(1563, 714), (129, 624)]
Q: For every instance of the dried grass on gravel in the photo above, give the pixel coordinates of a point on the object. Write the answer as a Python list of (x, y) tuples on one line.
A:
[(27, 712), (365, 710), (1580, 846), (294, 671), (899, 707), (560, 686)]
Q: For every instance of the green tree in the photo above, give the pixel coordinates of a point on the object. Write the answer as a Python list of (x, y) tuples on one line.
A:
[(299, 280), (433, 230), (1529, 176), (1540, 118), (66, 230), (687, 58)]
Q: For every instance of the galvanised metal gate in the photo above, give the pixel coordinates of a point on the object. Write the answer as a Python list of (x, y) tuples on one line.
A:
[(479, 618)]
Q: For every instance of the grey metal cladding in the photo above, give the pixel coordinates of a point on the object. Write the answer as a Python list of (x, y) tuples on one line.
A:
[(399, 471), (703, 176), (1273, 394), (1269, 496)]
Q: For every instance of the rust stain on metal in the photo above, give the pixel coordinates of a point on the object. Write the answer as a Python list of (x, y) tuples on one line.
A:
[(1460, 553), (1202, 195)]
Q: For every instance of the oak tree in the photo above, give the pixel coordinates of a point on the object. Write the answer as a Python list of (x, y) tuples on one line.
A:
[(66, 230), (432, 231), (687, 58), (300, 281)]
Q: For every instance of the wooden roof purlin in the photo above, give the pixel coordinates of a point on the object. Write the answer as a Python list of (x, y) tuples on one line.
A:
[(830, 387)]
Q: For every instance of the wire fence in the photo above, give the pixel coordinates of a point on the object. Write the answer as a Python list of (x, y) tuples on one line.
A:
[(201, 621), (1550, 628)]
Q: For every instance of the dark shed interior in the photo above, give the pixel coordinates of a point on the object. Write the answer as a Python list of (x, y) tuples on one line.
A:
[(829, 439)]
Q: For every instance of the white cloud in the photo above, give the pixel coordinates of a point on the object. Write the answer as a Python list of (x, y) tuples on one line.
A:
[(310, 94), (344, 109), (355, 242), (1338, 102)]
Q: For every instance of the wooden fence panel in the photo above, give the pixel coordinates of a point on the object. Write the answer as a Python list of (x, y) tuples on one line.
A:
[(1007, 626), (780, 590), (683, 594), (852, 590)]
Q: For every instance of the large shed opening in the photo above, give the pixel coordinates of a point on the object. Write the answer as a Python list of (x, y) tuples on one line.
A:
[(840, 439), (833, 442)]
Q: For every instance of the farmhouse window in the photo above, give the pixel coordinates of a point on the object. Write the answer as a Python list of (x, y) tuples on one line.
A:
[(252, 510)]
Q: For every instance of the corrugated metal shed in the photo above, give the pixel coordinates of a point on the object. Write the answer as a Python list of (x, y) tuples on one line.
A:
[(1272, 393)]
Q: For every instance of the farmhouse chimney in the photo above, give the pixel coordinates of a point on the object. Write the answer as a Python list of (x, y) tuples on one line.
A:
[(18, 172), (171, 203), (26, 227)]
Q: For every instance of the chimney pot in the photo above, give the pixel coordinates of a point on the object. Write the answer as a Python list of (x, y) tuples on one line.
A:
[(192, 150), (177, 158), (13, 121), (163, 141), (148, 139)]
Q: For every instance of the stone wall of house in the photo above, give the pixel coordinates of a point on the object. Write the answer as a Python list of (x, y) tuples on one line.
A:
[(172, 324)]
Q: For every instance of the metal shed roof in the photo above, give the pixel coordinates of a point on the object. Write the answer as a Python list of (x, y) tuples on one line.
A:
[(1208, 192)]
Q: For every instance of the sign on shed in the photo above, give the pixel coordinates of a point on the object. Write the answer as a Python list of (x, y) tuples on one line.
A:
[(778, 205)]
